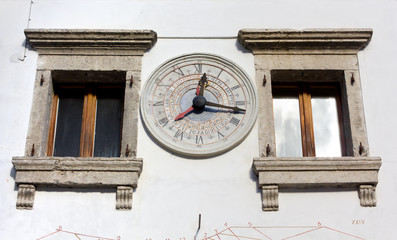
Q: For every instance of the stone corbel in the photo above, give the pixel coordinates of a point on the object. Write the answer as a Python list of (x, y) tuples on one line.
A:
[(25, 198), (367, 196), (124, 198), (270, 198)]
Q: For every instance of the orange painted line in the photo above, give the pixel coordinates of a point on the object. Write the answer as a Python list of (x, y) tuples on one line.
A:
[(85, 235), (261, 233), (303, 233), (233, 233), (238, 237), (48, 235), (344, 233), (281, 227)]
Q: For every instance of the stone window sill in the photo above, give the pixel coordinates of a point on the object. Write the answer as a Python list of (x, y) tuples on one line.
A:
[(31, 172), (309, 172)]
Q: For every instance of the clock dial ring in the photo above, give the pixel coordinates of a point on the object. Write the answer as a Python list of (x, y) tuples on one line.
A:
[(170, 90)]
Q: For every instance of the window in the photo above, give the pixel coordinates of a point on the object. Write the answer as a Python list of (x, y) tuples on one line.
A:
[(86, 121), (83, 123), (308, 120), (311, 127)]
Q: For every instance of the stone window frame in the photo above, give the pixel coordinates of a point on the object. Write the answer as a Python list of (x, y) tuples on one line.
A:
[(82, 50), (311, 49)]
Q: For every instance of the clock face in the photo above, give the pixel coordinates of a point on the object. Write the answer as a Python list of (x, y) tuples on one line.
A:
[(199, 105)]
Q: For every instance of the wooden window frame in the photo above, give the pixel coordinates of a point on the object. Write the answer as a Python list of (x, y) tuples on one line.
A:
[(304, 92), (87, 136)]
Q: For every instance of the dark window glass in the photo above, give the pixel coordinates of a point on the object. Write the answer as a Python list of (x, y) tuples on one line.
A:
[(108, 123), (68, 128)]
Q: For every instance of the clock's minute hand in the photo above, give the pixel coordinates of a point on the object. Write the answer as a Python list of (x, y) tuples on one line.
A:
[(235, 109)]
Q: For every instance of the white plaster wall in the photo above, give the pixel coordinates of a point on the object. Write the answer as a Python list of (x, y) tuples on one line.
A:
[(172, 191)]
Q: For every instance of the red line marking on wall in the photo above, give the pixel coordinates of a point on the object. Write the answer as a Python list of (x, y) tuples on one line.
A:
[(76, 234), (303, 233), (48, 235), (233, 233), (261, 233), (240, 236), (85, 235), (344, 233)]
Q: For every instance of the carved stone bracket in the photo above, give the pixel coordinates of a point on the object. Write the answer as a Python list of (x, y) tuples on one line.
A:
[(315, 172), (270, 198), (367, 196), (124, 198), (25, 198)]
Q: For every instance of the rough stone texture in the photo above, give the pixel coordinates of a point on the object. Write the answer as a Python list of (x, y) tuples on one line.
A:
[(356, 114), (367, 196), (88, 62), (306, 62), (76, 51), (279, 41), (265, 114), (317, 172), (311, 172), (312, 49), (270, 198), (130, 117), (39, 115), (77, 164), (90, 41), (25, 198), (77, 172), (124, 198)]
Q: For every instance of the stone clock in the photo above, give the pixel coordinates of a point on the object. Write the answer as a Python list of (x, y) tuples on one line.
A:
[(199, 105)]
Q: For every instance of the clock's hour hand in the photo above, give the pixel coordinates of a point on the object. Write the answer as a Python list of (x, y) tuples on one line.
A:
[(235, 109), (183, 114), (198, 90)]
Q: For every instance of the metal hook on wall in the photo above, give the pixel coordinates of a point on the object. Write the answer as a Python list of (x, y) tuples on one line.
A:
[(26, 40)]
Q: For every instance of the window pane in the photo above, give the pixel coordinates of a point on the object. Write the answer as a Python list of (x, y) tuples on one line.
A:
[(68, 129), (108, 125), (287, 126), (326, 127)]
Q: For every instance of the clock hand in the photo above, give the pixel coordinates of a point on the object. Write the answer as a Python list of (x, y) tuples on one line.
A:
[(183, 114), (198, 90), (202, 83), (235, 109)]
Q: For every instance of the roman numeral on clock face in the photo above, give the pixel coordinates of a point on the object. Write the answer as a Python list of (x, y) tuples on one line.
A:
[(235, 87), (179, 134), (158, 104), (235, 121), (163, 121), (198, 67), (220, 135), (179, 71), (199, 139)]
